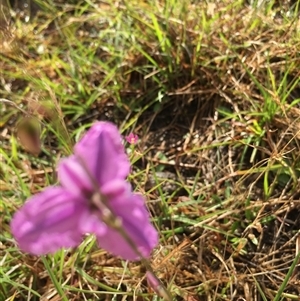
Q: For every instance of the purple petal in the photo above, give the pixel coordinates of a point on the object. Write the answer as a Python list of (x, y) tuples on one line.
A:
[(48, 221), (136, 223), (116, 188), (73, 176), (102, 150)]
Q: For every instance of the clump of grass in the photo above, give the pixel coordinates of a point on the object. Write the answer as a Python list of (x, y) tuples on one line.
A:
[(212, 89)]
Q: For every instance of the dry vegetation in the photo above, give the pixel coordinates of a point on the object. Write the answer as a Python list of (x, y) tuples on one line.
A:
[(212, 90)]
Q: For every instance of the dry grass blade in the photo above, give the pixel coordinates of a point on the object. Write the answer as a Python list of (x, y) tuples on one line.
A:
[(213, 92)]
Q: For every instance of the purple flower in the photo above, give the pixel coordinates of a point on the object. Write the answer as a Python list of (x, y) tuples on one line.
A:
[(132, 138), (59, 216)]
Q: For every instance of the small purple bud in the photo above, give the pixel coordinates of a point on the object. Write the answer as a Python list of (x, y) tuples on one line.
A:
[(157, 286)]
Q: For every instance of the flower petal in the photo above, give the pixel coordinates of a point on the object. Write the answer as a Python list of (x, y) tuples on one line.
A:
[(48, 221), (136, 223), (132, 138), (73, 177), (102, 150)]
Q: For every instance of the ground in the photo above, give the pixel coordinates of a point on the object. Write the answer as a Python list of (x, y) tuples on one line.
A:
[(212, 89)]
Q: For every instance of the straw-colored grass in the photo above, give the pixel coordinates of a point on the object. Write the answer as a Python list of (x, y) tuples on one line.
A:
[(213, 91)]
